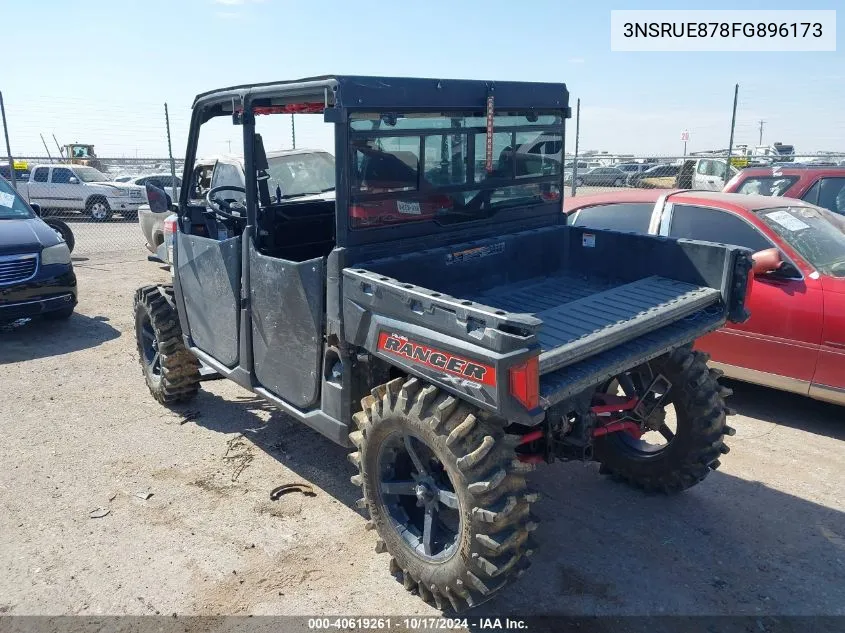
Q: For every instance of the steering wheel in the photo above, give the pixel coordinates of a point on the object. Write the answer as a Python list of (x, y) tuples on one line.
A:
[(216, 206)]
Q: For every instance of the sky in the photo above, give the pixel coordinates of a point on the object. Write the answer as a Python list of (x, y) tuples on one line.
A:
[(99, 71)]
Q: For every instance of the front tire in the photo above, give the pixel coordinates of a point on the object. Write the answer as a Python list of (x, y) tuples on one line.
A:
[(693, 448), (170, 370), (578, 182), (443, 492), (99, 210)]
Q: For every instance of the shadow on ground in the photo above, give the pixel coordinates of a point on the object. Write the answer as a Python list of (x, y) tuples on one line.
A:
[(789, 409), (729, 546), (41, 338)]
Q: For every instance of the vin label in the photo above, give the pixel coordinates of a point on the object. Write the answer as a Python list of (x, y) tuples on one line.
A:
[(469, 254)]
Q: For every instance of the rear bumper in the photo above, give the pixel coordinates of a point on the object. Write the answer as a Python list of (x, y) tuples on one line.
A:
[(125, 204), (38, 296)]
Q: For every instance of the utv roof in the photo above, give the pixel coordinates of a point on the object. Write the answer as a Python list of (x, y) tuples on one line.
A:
[(363, 93)]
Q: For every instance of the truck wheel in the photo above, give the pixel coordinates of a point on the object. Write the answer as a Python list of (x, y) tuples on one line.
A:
[(98, 209), (171, 371), (687, 453), (443, 491)]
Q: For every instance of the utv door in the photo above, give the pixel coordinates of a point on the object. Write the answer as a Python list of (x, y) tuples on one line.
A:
[(287, 299), (209, 273)]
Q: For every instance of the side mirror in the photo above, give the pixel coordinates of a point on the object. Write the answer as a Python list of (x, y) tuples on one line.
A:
[(36, 208), (766, 261), (157, 199), (73, 180)]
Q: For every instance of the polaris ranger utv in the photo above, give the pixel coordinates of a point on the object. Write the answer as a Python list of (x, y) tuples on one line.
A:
[(436, 314)]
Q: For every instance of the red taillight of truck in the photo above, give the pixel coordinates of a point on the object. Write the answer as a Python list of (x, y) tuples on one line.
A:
[(525, 382)]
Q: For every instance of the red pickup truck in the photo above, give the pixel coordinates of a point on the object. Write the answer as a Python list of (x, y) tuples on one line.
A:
[(822, 186), (795, 338)]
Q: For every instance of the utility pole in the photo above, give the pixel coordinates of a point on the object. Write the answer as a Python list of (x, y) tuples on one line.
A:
[(762, 122), (731, 142), (8, 147), (293, 131), (577, 139), (170, 152)]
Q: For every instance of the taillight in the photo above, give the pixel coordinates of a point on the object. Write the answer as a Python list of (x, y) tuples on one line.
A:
[(525, 382), (361, 215), (170, 225)]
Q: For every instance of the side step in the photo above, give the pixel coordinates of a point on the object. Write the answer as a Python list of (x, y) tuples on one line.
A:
[(207, 373), (574, 331)]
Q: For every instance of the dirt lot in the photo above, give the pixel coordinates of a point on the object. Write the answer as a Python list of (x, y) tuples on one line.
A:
[(763, 535)]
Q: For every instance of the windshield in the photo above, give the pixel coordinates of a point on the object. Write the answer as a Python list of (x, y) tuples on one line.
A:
[(444, 167), (89, 174), (301, 174), (817, 234), (12, 206), (767, 185)]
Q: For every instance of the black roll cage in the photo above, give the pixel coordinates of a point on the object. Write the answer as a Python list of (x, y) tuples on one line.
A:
[(341, 96)]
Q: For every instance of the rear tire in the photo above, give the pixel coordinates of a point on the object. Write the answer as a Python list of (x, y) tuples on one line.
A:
[(170, 370), (98, 209), (697, 442), (618, 182), (579, 182), (477, 544)]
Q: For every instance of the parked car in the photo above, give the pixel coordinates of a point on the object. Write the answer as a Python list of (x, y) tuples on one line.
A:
[(653, 172), (21, 168), (598, 177), (795, 338), (824, 187), (36, 273), (633, 168), (692, 173), (161, 181), (63, 187)]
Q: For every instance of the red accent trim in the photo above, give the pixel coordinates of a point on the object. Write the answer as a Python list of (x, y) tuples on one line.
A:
[(613, 404), (531, 437), (436, 359), (290, 108), (532, 458), (614, 427), (489, 147)]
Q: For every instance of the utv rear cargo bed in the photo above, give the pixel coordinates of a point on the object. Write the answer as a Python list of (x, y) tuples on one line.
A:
[(587, 302), (583, 317)]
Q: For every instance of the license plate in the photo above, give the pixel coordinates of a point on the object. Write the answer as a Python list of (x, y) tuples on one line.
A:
[(408, 208)]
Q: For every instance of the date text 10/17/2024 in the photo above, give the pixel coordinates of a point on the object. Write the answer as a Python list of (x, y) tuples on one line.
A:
[(416, 624)]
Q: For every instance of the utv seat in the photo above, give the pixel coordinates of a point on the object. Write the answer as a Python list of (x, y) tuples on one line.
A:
[(297, 231)]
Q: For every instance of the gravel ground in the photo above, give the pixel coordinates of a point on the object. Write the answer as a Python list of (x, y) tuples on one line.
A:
[(763, 535)]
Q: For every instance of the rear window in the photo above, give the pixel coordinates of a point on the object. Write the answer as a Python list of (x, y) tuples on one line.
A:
[(442, 167), (767, 185), (631, 217)]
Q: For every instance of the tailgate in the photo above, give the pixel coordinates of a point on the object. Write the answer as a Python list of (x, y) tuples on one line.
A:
[(583, 316)]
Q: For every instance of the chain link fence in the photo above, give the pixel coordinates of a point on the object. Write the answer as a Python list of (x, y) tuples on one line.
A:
[(58, 143)]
